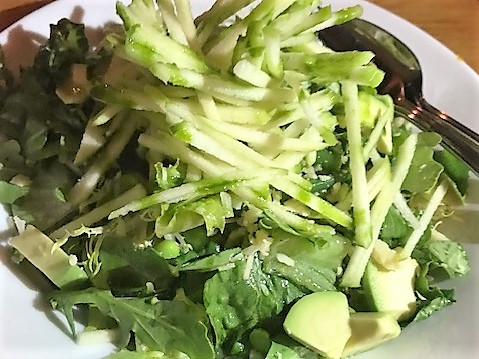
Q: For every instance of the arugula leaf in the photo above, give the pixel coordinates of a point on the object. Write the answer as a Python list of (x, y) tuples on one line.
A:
[(455, 168), (328, 160), (302, 274), (424, 171), (11, 161), (394, 225), (235, 304), (436, 258), (139, 267), (427, 308), (9, 193), (435, 299), (322, 184), (330, 163), (443, 257), (446, 255), (40, 206), (167, 326)]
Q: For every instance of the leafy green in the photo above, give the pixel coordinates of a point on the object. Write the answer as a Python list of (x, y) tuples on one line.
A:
[(127, 354), (43, 194), (456, 169), (302, 274), (435, 299), (212, 262), (394, 225), (66, 45), (329, 255), (235, 304), (168, 176), (247, 181), (11, 160), (214, 212), (424, 172), (444, 255), (438, 258), (322, 184), (9, 193), (278, 351), (139, 266), (151, 321), (40, 141), (285, 347), (427, 308)]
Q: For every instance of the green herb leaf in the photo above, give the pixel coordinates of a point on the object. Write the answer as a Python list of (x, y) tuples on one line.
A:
[(9, 193), (167, 326), (424, 171), (235, 304), (455, 168)]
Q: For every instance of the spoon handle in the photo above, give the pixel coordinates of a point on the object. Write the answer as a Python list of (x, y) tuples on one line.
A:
[(455, 136), (435, 112)]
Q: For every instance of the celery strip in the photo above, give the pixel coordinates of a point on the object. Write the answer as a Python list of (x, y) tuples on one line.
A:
[(99, 213), (361, 210), (84, 188), (425, 219), (360, 256)]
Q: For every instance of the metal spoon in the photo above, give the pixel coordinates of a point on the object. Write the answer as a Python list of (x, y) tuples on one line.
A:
[(403, 81)]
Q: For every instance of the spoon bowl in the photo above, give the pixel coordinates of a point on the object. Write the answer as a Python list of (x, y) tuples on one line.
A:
[(403, 82)]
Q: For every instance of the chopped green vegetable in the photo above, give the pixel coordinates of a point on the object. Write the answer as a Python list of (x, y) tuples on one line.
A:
[(191, 183)]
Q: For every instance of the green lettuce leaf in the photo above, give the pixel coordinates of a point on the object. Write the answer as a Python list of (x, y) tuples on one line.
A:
[(168, 176)]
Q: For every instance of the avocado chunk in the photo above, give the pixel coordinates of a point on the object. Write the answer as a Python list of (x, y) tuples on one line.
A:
[(391, 291), (320, 321), (369, 330)]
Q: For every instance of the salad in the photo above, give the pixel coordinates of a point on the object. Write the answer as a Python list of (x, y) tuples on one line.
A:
[(225, 186)]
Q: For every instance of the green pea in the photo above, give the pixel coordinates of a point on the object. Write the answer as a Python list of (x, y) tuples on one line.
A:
[(237, 348), (168, 249), (260, 340)]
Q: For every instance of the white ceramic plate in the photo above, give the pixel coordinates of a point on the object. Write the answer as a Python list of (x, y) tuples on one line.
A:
[(28, 329)]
